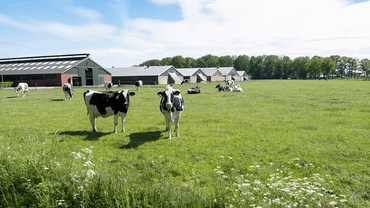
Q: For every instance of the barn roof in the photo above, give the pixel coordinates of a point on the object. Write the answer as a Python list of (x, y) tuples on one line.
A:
[(139, 71), (241, 73), (53, 64), (209, 71), (187, 71), (225, 70)]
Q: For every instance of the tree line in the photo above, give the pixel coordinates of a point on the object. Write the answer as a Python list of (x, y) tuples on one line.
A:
[(273, 66)]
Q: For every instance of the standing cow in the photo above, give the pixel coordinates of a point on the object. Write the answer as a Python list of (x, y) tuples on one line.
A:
[(171, 106), (22, 88), (139, 84), (68, 91), (106, 104), (108, 85), (229, 83)]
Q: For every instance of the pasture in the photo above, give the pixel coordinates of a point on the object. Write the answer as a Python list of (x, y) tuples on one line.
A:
[(280, 143)]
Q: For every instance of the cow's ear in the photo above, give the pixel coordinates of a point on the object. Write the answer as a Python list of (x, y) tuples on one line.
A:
[(176, 92), (132, 93), (160, 94)]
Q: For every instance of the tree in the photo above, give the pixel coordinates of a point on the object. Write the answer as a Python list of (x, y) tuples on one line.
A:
[(210, 61), (288, 68), (241, 63), (365, 66), (342, 66), (225, 61), (299, 66), (190, 62), (153, 62), (178, 62), (314, 66), (270, 63), (327, 66), (201, 63)]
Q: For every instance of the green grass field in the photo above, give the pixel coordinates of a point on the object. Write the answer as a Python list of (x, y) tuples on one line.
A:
[(280, 143)]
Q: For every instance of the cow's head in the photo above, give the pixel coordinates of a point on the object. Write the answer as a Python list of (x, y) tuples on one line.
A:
[(217, 86), (124, 97), (168, 96)]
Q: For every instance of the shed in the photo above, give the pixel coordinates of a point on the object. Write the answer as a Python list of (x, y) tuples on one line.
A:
[(195, 75), (148, 74), (243, 76), (53, 70), (212, 74), (229, 73)]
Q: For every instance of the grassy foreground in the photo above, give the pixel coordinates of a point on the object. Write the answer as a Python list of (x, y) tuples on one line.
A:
[(280, 143)]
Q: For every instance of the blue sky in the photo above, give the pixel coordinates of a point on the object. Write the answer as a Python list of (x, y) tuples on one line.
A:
[(124, 33)]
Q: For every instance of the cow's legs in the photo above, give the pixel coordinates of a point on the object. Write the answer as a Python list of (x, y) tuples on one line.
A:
[(123, 122), (93, 122), (167, 117), (65, 96), (177, 121), (115, 123)]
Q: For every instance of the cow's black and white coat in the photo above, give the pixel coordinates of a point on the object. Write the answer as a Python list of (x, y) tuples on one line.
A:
[(139, 84), (229, 83), (185, 81), (22, 88), (195, 90), (171, 106), (237, 88), (220, 88), (108, 85), (68, 91), (106, 104)]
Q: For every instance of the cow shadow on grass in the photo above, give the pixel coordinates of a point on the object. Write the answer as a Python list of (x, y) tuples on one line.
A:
[(55, 100), (12, 97), (139, 138), (89, 135)]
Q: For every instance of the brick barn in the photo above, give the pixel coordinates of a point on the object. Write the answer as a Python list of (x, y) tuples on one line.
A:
[(194, 75), (213, 74), (148, 74), (53, 70)]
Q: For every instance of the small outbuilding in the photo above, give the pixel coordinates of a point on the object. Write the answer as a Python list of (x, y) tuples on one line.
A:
[(213, 74), (148, 74), (229, 73), (53, 70), (243, 76), (194, 75)]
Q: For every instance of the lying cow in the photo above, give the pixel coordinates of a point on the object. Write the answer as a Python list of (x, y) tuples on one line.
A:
[(106, 104), (171, 106), (195, 90), (139, 84), (22, 88), (68, 91), (220, 88), (237, 88), (108, 85), (185, 81), (229, 83)]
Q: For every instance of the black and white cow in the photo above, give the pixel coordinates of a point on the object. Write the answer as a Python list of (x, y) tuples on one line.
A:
[(220, 88), (22, 88), (229, 83), (68, 91), (106, 104), (139, 84), (195, 90), (108, 85), (237, 88), (185, 81), (171, 106)]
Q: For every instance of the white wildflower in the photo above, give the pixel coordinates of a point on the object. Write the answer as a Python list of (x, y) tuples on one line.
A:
[(333, 203), (89, 163), (222, 156), (90, 173)]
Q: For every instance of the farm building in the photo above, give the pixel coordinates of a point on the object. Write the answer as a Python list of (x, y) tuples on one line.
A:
[(243, 76), (213, 74), (194, 75), (148, 74), (54, 70), (229, 73)]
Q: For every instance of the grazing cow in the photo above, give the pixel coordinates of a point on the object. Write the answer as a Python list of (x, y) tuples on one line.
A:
[(67, 89), (229, 83), (139, 84), (195, 90), (108, 85), (171, 106), (220, 88), (22, 88), (237, 88), (106, 104), (185, 81)]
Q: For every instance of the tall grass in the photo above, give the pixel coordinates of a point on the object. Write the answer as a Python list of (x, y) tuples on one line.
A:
[(278, 144)]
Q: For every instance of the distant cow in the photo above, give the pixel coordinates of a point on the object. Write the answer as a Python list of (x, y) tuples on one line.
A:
[(229, 83), (68, 91), (106, 104), (139, 84), (22, 88), (195, 90), (220, 88), (228, 88), (108, 85), (237, 88), (185, 81), (171, 106)]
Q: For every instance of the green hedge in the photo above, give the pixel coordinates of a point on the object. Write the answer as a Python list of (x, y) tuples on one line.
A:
[(6, 84)]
